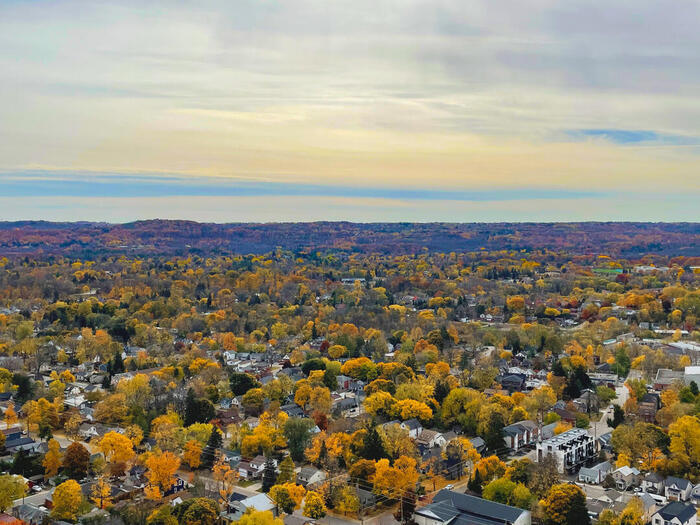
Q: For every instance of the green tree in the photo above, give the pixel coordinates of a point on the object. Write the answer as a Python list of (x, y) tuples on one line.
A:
[(286, 469), (11, 488), (298, 433)]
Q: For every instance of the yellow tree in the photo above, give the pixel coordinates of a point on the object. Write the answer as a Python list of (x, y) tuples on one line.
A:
[(67, 499), (287, 496), (160, 474), (10, 415), (101, 493), (52, 459), (117, 449), (685, 446), (259, 517), (193, 453), (226, 477), (314, 506)]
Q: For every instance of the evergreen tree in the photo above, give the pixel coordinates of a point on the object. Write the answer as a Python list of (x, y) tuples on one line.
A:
[(269, 476), (209, 453), (373, 446), (117, 363), (474, 484), (286, 474)]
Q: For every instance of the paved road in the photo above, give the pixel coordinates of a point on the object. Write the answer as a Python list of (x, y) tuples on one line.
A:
[(601, 427)]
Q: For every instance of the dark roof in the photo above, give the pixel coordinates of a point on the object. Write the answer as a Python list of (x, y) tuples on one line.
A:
[(679, 510), (680, 483), (469, 510), (412, 423)]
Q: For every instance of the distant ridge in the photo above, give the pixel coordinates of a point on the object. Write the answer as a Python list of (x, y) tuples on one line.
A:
[(628, 239)]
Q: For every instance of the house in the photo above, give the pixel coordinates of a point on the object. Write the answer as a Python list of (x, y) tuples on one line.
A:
[(310, 476), (430, 439), (348, 407), (648, 406), (413, 426), (626, 477), (653, 483), (677, 489), (253, 469), (665, 377), (520, 434), (23, 443), (477, 442), (675, 513), (587, 402), (605, 442), (292, 410), (595, 474), (571, 449), (238, 507), (513, 382), (456, 508)]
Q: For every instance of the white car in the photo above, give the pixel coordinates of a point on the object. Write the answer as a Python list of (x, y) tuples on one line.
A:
[(450, 486)]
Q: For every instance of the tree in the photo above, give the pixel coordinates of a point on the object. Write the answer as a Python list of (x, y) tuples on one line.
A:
[(258, 517), (193, 453), (11, 488), (491, 423), (346, 501), (633, 514), (210, 452), (10, 415), (475, 482), (101, 493), (52, 459), (499, 490), (407, 506), (160, 474), (287, 496), (67, 499), (545, 474), (618, 417), (254, 401), (76, 461), (198, 410), (685, 446), (241, 383), (314, 506), (197, 511), (373, 446), (286, 474), (226, 477), (117, 448), (268, 475), (565, 504)]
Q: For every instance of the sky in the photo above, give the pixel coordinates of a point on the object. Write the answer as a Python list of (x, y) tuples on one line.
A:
[(363, 110)]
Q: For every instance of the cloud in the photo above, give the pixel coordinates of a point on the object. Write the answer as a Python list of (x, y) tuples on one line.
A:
[(580, 96)]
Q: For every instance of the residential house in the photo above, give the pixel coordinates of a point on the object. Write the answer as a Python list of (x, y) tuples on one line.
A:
[(413, 426), (675, 513), (677, 489), (456, 508), (477, 442), (309, 476), (430, 439), (520, 434), (626, 477), (513, 382), (653, 483), (595, 474), (587, 402), (648, 406), (666, 377), (238, 507)]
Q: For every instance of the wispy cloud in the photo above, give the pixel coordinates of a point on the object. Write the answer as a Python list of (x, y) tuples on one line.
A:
[(628, 136)]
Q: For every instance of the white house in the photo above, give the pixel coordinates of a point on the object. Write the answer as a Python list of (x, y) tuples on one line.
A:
[(675, 513)]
